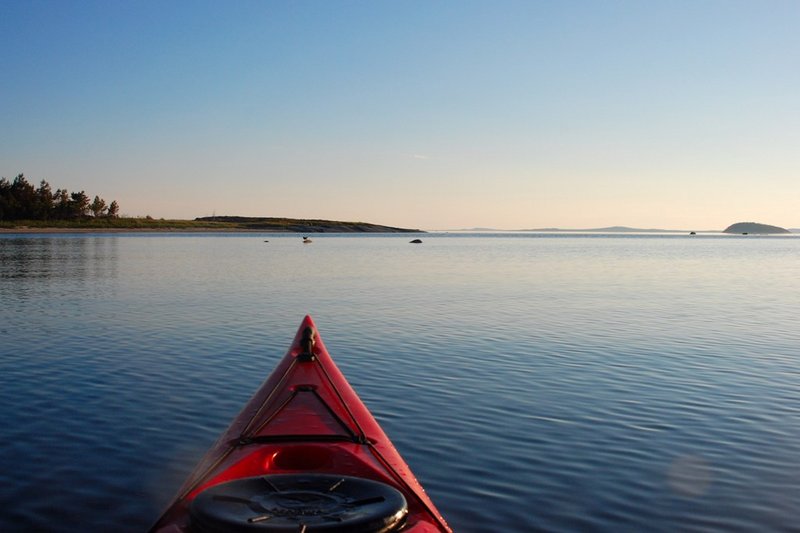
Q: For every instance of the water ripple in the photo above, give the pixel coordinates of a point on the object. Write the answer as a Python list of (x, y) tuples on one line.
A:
[(567, 384)]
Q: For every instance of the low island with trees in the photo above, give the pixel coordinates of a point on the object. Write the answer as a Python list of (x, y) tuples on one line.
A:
[(27, 208)]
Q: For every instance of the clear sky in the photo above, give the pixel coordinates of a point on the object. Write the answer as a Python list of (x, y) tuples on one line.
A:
[(424, 114)]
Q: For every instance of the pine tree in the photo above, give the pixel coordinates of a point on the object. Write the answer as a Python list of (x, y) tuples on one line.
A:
[(97, 206), (113, 209)]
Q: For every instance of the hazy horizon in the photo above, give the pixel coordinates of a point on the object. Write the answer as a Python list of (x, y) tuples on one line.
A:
[(607, 227), (448, 115)]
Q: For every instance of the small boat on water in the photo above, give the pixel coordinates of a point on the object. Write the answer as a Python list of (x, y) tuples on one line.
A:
[(304, 455)]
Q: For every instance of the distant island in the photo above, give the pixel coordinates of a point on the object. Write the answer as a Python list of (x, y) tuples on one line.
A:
[(754, 227), (611, 229), (738, 228), (297, 225)]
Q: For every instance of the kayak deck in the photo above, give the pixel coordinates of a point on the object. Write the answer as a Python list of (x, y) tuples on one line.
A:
[(291, 459)]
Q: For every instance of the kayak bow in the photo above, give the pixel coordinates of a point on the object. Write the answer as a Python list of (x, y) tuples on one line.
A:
[(304, 455)]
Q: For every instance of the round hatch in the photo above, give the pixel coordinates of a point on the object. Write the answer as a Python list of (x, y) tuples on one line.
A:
[(299, 503)]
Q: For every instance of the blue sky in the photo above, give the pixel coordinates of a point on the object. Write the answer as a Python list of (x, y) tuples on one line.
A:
[(434, 115)]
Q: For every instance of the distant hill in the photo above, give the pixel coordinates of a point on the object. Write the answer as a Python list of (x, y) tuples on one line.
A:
[(754, 227), (739, 227), (611, 229), (304, 225)]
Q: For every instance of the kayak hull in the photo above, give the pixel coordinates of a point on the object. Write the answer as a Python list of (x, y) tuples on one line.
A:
[(305, 420)]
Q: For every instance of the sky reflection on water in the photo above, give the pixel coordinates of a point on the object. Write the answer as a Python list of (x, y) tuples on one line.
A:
[(566, 382)]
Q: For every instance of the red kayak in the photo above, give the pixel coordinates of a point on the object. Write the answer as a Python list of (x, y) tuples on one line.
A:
[(304, 455)]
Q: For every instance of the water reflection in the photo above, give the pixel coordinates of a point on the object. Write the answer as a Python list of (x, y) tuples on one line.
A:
[(58, 257), (568, 383)]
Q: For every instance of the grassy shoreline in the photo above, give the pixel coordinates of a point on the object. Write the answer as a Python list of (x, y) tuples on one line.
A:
[(227, 225)]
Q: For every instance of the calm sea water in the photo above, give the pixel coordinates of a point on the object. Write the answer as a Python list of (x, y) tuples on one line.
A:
[(532, 382)]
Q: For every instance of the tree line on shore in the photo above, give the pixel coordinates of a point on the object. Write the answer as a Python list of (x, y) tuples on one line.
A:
[(20, 200)]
